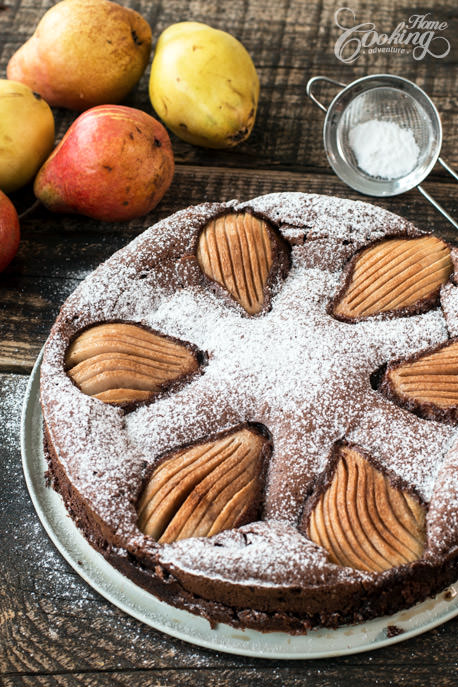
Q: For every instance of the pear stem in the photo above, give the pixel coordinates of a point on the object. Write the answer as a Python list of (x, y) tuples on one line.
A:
[(30, 209)]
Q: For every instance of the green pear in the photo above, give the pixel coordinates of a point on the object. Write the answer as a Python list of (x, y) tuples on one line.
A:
[(204, 85), (84, 53), (26, 134)]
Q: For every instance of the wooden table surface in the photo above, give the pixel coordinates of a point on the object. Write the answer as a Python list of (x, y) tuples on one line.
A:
[(54, 629)]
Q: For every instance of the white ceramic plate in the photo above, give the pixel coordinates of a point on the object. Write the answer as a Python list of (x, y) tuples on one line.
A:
[(106, 580)]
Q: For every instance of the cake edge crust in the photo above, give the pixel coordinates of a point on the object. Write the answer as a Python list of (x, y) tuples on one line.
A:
[(398, 589)]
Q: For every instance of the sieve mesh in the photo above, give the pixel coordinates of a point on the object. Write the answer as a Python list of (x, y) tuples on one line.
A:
[(386, 98), (390, 105)]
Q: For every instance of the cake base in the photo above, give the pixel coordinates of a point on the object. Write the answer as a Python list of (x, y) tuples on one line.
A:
[(394, 592), (265, 574), (140, 604)]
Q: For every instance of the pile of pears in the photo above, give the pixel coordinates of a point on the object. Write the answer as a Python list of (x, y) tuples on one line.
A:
[(114, 163)]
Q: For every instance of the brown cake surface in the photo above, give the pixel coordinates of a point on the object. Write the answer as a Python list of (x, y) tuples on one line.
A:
[(257, 369)]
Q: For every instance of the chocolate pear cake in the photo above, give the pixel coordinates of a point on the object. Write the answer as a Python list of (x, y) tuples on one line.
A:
[(250, 411)]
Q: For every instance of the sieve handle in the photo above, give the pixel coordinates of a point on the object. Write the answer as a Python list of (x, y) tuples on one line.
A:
[(309, 90), (438, 207), (310, 84), (448, 168)]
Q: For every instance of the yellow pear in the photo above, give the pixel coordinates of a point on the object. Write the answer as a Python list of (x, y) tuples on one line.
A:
[(204, 85), (84, 53), (26, 134)]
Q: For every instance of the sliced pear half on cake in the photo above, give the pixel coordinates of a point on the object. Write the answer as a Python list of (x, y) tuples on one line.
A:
[(238, 251), (426, 383), (394, 276), (205, 488), (363, 521), (125, 363)]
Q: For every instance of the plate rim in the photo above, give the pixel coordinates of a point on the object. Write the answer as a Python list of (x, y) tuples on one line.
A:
[(31, 403)]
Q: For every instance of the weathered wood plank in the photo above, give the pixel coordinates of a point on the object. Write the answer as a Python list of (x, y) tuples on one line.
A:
[(58, 250), (289, 42), (28, 307), (71, 245), (285, 674)]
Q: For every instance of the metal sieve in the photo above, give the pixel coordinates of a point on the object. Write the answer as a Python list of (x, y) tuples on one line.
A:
[(382, 97)]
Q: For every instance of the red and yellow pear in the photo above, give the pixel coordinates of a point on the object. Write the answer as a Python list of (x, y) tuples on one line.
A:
[(9, 231), (84, 53), (113, 164)]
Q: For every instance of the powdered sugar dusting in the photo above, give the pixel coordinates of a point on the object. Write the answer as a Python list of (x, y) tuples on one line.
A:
[(295, 369), (300, 372), (443, 513), (329, 217), (449, 302), (247, 555)]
